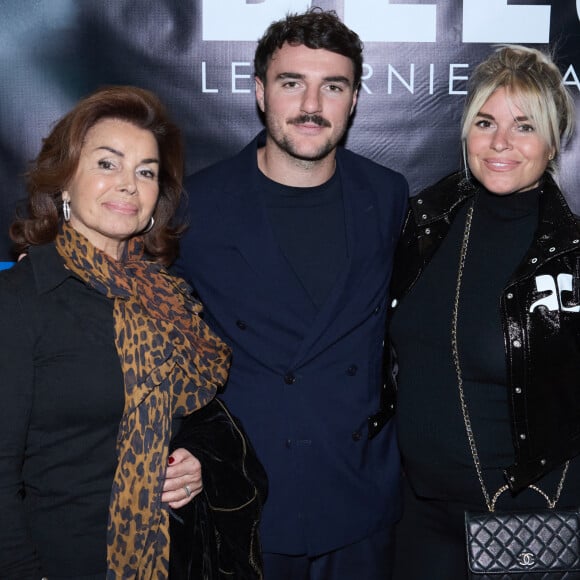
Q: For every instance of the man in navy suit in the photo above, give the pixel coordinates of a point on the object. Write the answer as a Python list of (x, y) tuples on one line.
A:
[(290, 249)]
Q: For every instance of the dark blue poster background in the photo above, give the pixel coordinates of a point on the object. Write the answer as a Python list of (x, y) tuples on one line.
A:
[(197, 55)]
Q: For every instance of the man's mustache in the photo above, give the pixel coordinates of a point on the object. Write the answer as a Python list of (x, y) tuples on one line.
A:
[(317, 119)]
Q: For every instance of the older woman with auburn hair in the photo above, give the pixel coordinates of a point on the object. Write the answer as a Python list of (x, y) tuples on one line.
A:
[(485, 321), (104, 353)]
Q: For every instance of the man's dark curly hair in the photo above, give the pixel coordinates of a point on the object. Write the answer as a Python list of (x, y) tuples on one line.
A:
[(315, 28)]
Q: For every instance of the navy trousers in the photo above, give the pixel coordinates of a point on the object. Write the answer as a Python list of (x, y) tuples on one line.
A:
[(369, 559)]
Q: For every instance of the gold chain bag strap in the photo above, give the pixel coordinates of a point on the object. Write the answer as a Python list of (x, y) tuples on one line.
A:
[(513, 544)]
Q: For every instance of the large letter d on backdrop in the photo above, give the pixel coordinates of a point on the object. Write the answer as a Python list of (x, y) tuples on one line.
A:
[(244, 19)]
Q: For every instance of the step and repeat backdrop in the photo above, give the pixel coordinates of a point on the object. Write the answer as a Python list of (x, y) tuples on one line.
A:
[(197, 56)]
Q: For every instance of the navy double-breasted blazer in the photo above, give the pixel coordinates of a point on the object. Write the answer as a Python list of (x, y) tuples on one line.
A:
[(303, 380)]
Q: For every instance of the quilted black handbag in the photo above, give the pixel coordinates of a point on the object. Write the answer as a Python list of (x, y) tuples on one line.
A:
[(524, 545), (531, 545)]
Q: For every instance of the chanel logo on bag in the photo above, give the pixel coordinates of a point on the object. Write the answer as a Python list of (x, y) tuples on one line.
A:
[(526, 559)]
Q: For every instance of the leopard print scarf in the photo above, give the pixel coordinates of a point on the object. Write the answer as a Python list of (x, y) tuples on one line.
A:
[(172, 365)]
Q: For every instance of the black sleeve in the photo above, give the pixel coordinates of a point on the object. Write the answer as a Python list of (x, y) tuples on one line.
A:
[(18, 559)]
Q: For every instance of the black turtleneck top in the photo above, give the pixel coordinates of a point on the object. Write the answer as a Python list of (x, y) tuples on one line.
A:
[(430, 423), (308, 224)]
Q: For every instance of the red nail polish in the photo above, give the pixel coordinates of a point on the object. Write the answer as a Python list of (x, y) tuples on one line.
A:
[(170, 460)]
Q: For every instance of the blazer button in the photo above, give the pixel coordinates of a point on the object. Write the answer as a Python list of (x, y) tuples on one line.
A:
[(356, 436), (289, 379), (351, 370), (241, 325)]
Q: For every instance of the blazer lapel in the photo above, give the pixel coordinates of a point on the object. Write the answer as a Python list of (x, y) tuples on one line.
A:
[(347, 297), (247, 224)]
